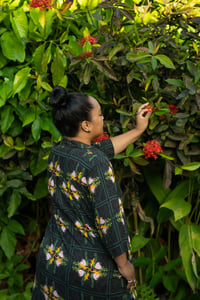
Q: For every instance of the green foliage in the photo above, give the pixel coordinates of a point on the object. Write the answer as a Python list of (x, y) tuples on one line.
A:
[(141, 53)]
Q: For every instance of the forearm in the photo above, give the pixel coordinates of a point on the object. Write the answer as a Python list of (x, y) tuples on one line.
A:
[(121, 141), (121, 260)]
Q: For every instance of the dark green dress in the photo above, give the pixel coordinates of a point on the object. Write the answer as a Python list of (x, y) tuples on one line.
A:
[(87, 227)]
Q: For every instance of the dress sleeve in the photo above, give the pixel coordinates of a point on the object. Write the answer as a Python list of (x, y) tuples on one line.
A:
[(108, 209), (106, 146)]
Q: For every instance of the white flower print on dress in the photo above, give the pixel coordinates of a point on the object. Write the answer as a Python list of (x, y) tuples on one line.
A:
[(51, 186)]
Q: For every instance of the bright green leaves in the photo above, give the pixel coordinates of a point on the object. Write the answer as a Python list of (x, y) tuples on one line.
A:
[(144, 57), (58, 66), (7, 237), (190, 251), (90, 4), (11, 47), (20, 24), (20, 80), (7, 117)]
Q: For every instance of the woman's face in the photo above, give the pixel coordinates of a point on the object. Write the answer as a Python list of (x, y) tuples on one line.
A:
[(96, 118)]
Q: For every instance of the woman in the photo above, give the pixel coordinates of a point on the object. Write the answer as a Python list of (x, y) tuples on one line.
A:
[(85, 251)]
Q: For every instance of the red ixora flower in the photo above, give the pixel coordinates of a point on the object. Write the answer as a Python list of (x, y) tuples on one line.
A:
[(151, 148), (102, 137), (42, 4), (88, 38), (173, 108), (86, 54)]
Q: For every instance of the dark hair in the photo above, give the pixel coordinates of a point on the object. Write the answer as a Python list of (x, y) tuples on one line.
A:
[(69, 110)]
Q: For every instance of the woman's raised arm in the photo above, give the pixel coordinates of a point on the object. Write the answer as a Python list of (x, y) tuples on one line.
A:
[(121, 141)]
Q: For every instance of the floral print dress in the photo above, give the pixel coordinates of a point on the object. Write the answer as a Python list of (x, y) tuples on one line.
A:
[(87, 227)]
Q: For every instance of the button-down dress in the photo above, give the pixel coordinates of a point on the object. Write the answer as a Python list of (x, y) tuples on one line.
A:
[(87, 227)]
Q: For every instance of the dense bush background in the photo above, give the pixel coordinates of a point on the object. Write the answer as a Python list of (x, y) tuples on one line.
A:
[(140, 51)]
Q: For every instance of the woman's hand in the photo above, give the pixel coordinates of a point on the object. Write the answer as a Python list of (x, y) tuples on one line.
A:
[(128, 272), (142, 118)]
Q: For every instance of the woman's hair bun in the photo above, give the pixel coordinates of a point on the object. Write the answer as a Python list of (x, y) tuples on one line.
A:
[(58, 97)]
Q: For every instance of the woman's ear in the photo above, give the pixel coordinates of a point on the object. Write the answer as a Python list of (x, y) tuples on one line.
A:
[(85, 126)]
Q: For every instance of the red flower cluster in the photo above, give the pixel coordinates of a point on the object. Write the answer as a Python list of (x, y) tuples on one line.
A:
[(102, 137), (151, 148), (86, 54), (173, 108), (88, 38), (42, 4)]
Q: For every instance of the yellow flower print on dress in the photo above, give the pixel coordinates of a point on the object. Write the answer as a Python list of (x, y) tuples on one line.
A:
[(70, 191), (50, 293), (92, 183), (102, 225), (85, 229), (90, 269), (51, 186), (55, 255), (55, 168), (63, 225), (110, 174), (120, 214)]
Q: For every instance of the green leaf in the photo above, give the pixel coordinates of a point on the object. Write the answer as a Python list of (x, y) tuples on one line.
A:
[(7, 117), (29, 116), (137, 57), (155, 183), (16, 227), (58, 66), (48, 125), (6, 91), (12, 48), (36, 129), (191, 166), (186, 251), (37, 162), (8, 242), (20, 24), (166, 156), (20, 80), (170, 281), (138, 242), (115, 50), (41, 188), (123, 112), (176, 82), (175, 200), (38, 57), (179, 207), (87, 74), (14, 202), (165, 61)]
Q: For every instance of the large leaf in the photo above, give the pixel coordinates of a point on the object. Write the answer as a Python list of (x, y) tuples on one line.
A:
[(12, 48), (186, 247), (20, 80), (138, 242), (38, 162), (165, 61), (38, 57), (58, 66), (29, 116), (8, 242), (6, 91), (7, 117), (20, 24), (156, 185), (14, 202), (36, 129), (179, 207)]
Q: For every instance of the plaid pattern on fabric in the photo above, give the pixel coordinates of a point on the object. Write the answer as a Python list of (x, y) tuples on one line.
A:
[(87, 227)]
